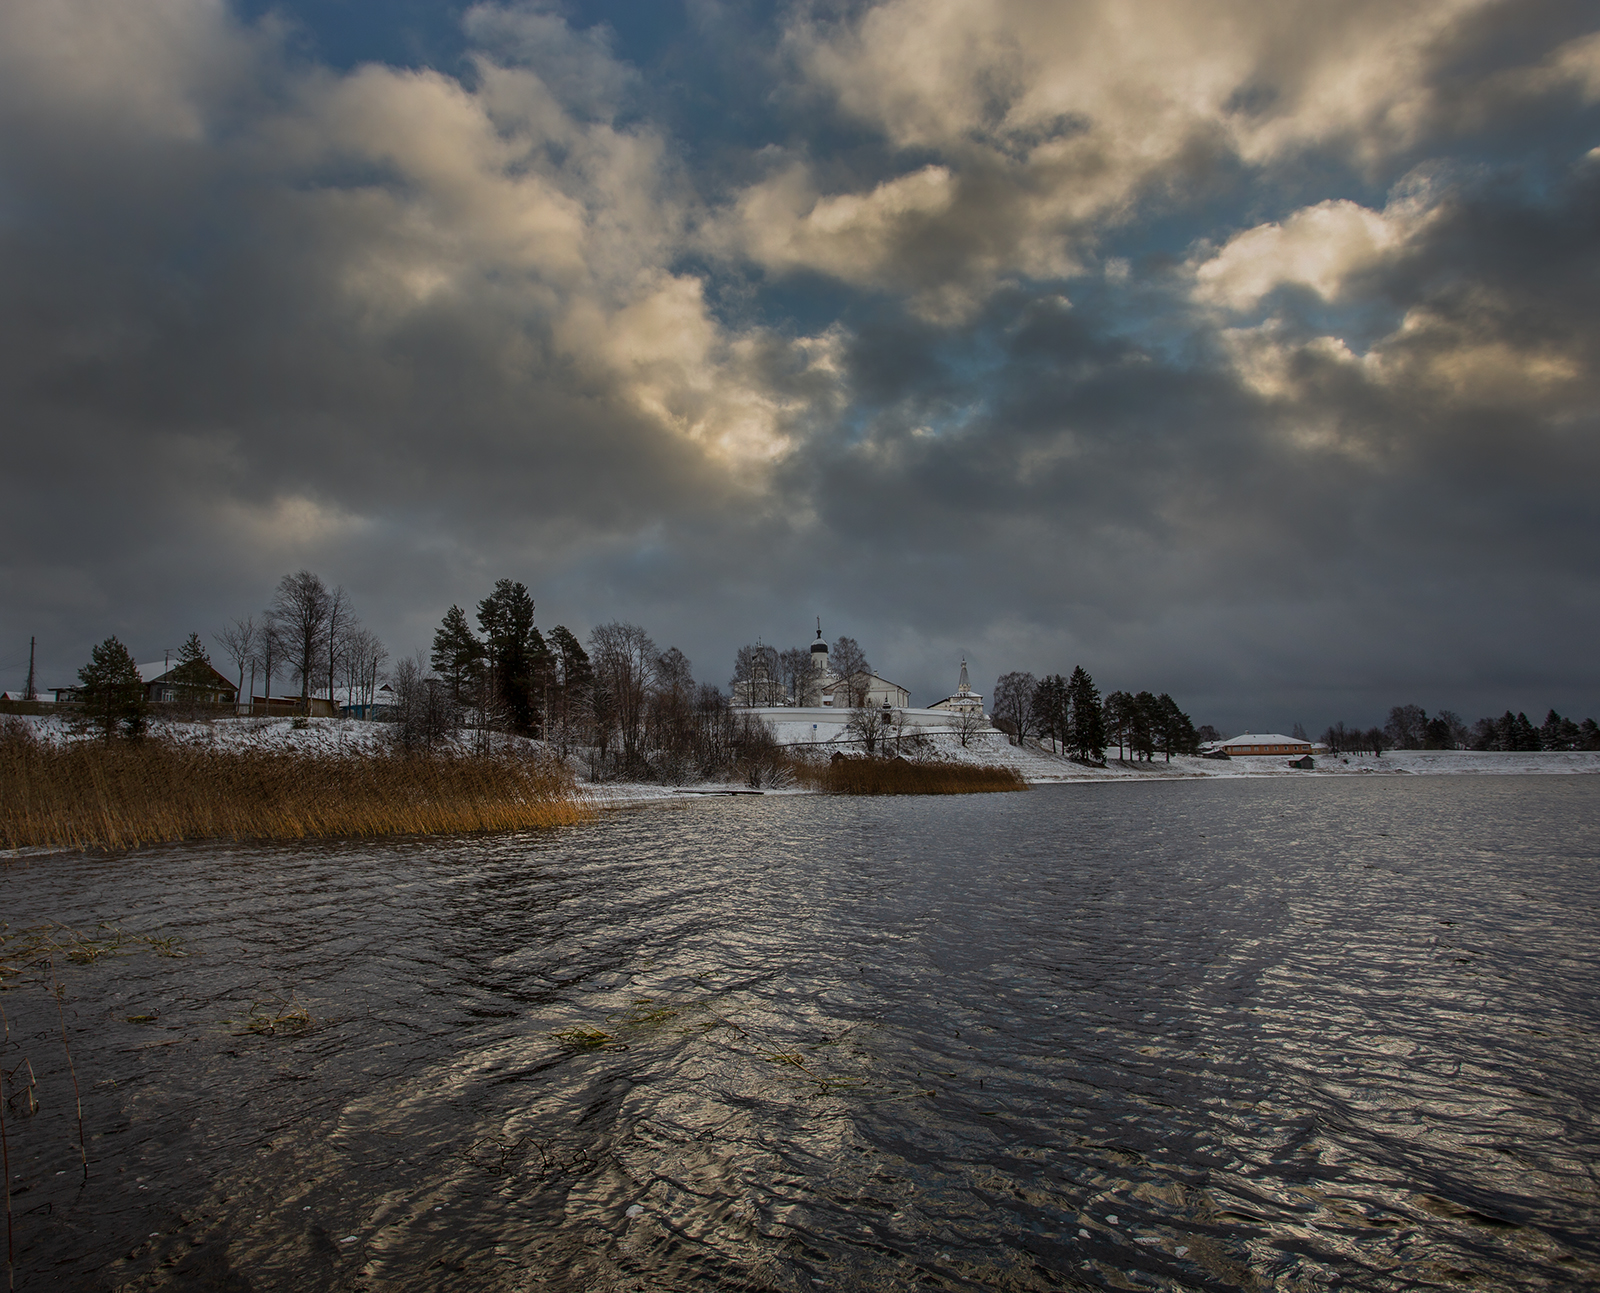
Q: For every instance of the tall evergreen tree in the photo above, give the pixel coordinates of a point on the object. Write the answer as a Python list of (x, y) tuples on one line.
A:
[(1086, 738), (193, 675), (299, 614), (1174, 729), (1142, 728), (457, 652), (515, 650), (1052, 709), (1119, 711), (113, 692)]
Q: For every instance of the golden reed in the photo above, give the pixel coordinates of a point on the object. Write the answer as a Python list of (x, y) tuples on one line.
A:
[(92, 795), (902, 777)]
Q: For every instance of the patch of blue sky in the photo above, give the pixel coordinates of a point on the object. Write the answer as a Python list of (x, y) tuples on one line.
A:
[(347, 33)]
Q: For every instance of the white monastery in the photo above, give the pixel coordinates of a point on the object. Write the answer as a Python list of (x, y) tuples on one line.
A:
[(826, 724)]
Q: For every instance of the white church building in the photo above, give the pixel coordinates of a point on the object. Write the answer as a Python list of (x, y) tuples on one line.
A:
[(826, 724), (834, 691)]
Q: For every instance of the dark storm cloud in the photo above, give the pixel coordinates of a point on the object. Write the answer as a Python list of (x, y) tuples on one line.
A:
[(419, 329)]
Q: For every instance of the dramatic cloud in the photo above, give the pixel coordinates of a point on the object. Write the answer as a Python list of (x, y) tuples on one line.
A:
[(1246, 352)]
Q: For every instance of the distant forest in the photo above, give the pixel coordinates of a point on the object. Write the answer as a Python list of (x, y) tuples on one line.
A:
[(1068, 712), (1410, 728)]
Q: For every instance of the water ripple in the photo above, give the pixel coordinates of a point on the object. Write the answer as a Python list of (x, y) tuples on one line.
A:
[(1297, 1035)]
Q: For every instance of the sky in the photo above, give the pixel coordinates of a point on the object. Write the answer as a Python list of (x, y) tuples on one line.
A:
[(1243, 352)]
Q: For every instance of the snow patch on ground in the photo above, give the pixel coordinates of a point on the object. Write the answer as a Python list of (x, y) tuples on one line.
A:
[(351, 738), (343, 737), (1040, 766)]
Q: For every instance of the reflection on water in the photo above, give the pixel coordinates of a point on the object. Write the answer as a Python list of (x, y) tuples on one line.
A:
[(1196, 1035)]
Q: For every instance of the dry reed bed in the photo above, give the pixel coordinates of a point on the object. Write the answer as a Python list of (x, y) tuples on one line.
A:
[(120, 796), (902, 777)]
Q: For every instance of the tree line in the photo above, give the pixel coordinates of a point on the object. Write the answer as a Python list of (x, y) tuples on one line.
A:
[(634, 708), (1409, 728), (308, 632), (766, 676), (1070, 714)]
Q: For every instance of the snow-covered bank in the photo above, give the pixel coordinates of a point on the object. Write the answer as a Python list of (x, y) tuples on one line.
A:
[(349, 737), (1036, 764), (1040, 766)]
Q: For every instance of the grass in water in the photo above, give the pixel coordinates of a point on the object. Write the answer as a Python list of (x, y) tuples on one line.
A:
[(904, 777), (585, 1039), (289, 1020), (38, 945), (92, 795)]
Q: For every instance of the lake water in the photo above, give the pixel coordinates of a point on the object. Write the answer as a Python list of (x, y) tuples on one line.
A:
[(1341, 1033)]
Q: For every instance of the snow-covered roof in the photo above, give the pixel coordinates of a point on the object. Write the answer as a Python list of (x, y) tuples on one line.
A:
[(1262, 738)]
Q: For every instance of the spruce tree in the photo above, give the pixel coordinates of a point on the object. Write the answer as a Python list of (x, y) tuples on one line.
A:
[(113, 692), (457, 653), (1117, 713), (193, 677), (1051, 709), (1142, 733), (1087, 731), (1176, 730), (516, 652)]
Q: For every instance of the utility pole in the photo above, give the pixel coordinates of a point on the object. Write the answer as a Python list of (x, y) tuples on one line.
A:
[(30, 693)]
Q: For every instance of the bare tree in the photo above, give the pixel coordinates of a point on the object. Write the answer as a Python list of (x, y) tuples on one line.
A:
[(758, 676), (850, 663), (268, 656), (300, 611), (794, 667), (339, 620), (623, 657), (423, 712), (757, 753), (672, 715), (872, 726), (1013, 705), (361, 657), (238, 640), (969, 721)]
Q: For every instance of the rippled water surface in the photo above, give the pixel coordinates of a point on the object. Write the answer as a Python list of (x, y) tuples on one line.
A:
[(1296, 1035)]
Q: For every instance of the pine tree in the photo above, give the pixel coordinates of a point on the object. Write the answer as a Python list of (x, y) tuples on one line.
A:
[(457, 653), (113, 692), (1176, 730), (1052, 709), (516, 652), (1118, 713), (1087, 731), (1141, 735), (193, 677)]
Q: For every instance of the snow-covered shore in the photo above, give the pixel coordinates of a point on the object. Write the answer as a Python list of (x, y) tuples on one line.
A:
[(1040, 766), (1034, 761), (346, 737)]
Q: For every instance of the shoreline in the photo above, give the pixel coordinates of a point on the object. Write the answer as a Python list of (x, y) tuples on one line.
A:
[(1041, 768), (349, 743)]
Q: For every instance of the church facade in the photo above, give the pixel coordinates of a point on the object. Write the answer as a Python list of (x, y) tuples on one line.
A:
[(965, 701), (826, 688)]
